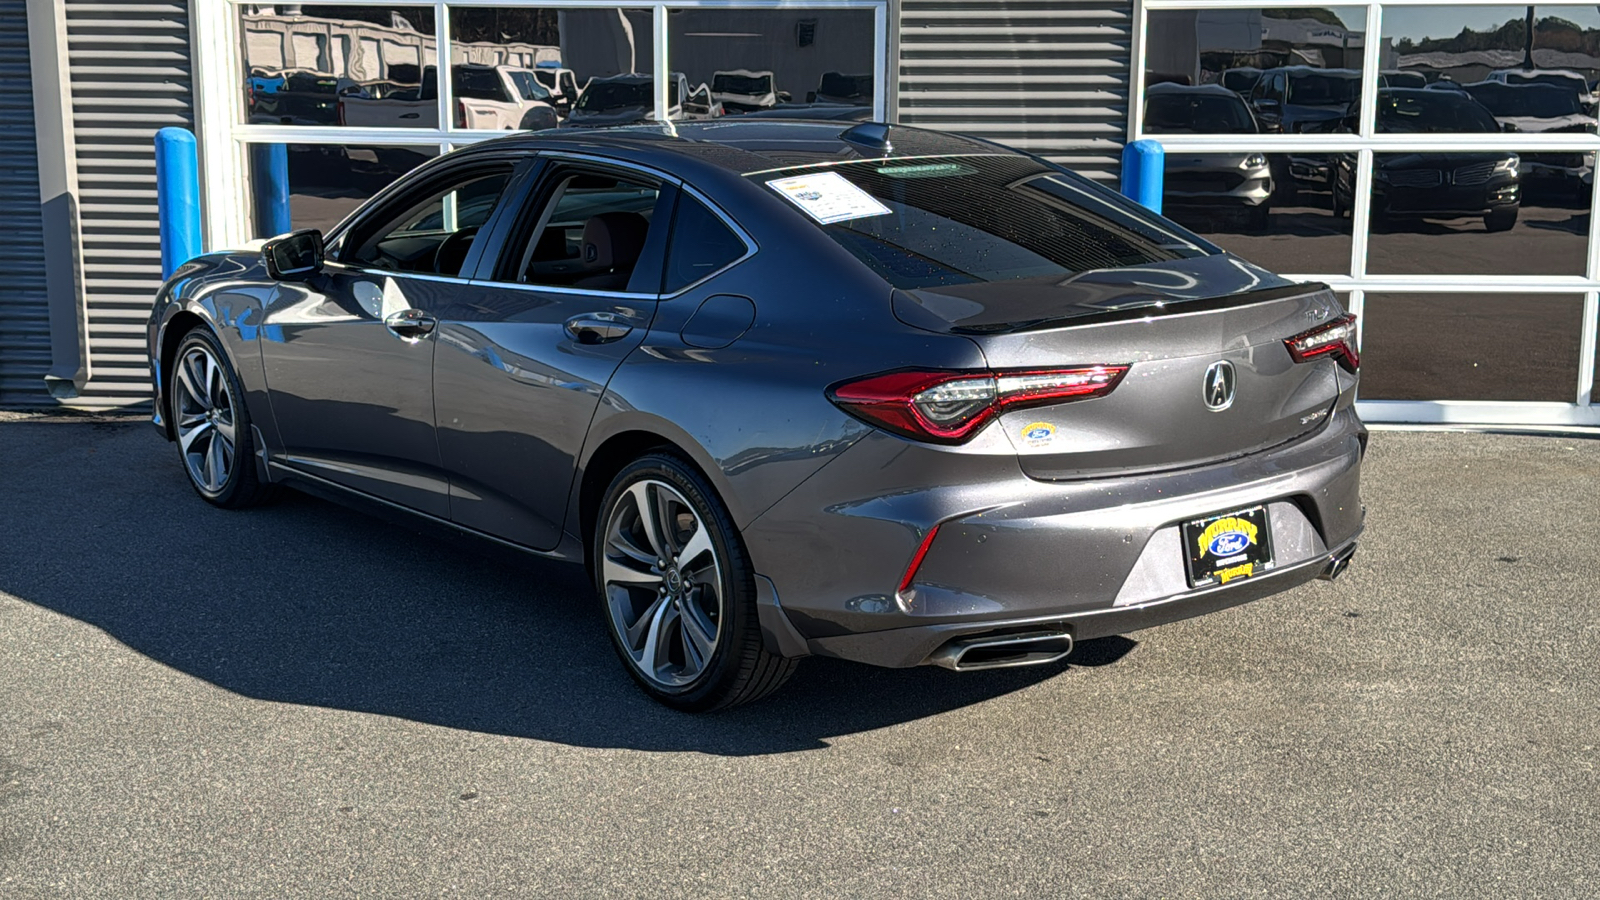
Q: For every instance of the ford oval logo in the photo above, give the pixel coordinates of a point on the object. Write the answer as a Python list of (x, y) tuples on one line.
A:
[(1229, 542)]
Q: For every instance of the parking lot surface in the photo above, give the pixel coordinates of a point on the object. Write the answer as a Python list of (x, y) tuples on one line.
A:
[(303, 701)]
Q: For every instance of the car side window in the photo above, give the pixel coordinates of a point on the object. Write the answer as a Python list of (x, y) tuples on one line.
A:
[(590, 233), (700, 245), (433, 235)]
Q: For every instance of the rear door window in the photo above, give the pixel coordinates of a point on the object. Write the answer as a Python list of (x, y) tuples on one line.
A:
[(967, 219)]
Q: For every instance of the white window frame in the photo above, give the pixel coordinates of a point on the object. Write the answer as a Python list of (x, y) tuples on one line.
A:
[(225, 137), (1582, 413)]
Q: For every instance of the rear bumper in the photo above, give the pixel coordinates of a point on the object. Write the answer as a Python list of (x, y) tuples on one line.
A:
[(917, 645), (1097, 557)]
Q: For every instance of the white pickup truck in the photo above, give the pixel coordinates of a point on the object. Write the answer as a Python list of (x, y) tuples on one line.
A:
[(496, 98)]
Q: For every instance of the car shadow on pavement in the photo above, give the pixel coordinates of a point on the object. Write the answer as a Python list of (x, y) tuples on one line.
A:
[(308, 602)]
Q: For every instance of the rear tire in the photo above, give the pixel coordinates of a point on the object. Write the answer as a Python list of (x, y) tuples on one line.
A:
[(678, 590), (212, 426), (1500, 220)]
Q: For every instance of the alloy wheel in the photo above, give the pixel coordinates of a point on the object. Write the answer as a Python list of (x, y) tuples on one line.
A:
[(203, 408), (662, 579)]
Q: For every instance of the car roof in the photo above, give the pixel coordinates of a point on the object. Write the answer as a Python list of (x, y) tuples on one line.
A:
[(1205, 90), (1315, 70), (740, 147)]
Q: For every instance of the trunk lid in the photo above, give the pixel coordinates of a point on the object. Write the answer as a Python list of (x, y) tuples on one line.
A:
[(1176, 323)]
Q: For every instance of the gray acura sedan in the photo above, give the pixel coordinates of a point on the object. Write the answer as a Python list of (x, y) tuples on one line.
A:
[(788, 388)]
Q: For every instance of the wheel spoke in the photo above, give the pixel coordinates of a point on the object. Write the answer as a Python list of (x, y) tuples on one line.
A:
[(654, 656), (647, 501), (635, 632), (224, 426), (216, 394), (186, 378), (699, 634), (619, 572), (187, 438), (216, 472), (697, 545)]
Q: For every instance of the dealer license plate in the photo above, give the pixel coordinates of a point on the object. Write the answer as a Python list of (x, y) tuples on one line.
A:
[(1229, 547)]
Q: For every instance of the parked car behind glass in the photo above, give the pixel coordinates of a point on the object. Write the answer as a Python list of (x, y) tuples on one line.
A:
[(1235, 183), (1435, 185)]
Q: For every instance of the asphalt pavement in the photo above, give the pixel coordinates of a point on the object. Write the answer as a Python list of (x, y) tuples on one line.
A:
[(304, 701)]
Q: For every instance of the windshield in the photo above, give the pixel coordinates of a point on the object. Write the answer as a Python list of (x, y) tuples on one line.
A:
[(609, 95), (834, 84), (742, 84), (969, 219), (1539, 101), (1428, 112), (477, 83), (1316, 89), (528, 87), (1193, 114), (1240, 80), (1575, 85)]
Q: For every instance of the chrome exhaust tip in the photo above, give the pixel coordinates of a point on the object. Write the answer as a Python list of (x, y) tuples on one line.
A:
[(1337, 564), (1003, 651)]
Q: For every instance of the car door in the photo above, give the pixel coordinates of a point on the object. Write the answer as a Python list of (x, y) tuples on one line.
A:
[(523, 360), (349, 353)]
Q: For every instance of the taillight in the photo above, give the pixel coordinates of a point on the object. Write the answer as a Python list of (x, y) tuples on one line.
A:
[(949, 407), (339, 112), (1336, 339)]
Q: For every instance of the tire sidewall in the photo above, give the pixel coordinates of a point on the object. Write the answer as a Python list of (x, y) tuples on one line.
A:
[(243, 446), (738, 581)]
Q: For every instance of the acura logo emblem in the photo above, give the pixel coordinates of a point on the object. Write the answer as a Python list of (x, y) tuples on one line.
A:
[(1219, 384)]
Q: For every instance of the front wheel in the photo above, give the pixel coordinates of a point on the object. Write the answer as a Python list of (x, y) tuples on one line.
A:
[(212, 425), (679, 591)]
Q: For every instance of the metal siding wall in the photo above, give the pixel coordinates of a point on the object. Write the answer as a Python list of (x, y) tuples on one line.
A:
[(1047, 76), (130, 75), (24, 314)]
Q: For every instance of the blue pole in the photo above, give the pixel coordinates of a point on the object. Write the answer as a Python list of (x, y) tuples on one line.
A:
[(177, 197), (271, 177), (1143, 163)]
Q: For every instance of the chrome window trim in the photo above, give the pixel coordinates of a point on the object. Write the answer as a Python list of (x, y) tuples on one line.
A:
[(348, 269), (750, 245)]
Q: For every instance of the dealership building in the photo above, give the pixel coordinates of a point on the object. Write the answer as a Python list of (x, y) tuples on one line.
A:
[(1395, 151)]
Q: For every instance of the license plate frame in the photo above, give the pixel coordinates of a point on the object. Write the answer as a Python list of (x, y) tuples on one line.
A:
[(1227, 547)]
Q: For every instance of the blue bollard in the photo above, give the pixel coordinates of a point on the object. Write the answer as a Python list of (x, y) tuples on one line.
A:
[(1143, 164), (271, 176), (177, 197)]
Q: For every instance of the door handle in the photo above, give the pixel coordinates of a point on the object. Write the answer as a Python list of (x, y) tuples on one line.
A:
[(410, 325), (597, 328)]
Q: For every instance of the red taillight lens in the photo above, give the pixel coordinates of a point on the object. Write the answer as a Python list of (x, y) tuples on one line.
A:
[(1336, 339), (949, 407)]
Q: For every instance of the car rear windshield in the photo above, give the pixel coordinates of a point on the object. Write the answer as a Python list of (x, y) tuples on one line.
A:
[(1432, 112), (600, 96), (1539, 101), (742, 84), (1181, 113), (969, 219), (1323, 90)]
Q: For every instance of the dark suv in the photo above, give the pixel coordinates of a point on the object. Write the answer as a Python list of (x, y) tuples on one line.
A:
[(1434, 185)]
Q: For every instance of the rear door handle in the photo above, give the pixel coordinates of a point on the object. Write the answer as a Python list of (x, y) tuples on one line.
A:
[(597, 328), (410, 324)]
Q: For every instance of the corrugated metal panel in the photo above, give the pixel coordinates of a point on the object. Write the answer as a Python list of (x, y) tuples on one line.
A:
[(24, 315), (1047, 76), (130, 75)]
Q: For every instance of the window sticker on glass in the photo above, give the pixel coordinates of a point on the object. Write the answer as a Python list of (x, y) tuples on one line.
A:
[(828, 197)]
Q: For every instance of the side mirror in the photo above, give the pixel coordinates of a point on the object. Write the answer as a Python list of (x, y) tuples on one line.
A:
[(785, 96), (293, 257), (1509, 126)]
